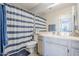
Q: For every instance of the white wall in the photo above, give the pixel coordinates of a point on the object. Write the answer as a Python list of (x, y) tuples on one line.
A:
[(77, 14), (53, 17)]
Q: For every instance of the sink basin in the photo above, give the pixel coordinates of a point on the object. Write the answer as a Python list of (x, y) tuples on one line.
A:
[(75, 34), (65, 34), (61, 33)]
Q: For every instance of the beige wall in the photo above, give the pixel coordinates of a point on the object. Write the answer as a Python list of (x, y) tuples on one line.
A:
[(53, 17)]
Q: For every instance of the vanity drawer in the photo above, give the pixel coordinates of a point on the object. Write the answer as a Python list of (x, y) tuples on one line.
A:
[(57, 41), (75, 44)]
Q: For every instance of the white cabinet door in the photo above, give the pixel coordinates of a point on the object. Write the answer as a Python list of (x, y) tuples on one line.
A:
[(74, 52), (52, 49)]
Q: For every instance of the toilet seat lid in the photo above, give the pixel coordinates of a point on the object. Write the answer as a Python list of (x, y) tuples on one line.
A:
[(31, 43)]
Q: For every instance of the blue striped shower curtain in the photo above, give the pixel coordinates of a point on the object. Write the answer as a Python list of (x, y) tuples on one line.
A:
[(40, 24), (2, 29), (20, 25), (17, 28)]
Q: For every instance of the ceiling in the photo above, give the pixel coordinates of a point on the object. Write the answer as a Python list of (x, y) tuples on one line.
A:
[(40, 8), (33, 7), (27, 6)]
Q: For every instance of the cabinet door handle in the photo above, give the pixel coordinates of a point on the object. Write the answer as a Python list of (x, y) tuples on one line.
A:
[(68, 50)]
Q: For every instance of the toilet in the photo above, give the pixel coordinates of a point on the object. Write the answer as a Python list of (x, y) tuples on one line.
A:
[(31, 46)]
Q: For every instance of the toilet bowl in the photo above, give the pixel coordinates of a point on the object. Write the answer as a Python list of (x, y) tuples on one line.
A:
[(31, 46)]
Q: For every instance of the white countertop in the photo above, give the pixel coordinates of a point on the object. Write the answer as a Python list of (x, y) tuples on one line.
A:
[(62, 36)]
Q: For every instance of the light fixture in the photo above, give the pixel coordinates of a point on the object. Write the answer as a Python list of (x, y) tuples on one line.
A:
[(52, 5)]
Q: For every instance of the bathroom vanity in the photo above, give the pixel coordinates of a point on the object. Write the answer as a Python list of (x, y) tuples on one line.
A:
[(58, 44)]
